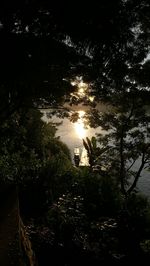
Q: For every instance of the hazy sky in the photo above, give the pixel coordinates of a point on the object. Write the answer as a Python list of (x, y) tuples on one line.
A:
[(72, 133)]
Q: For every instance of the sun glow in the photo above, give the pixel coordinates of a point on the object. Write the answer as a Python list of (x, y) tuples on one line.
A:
[(79, 126), (80, 130), (91, 98), (81, 90), (82, 86)]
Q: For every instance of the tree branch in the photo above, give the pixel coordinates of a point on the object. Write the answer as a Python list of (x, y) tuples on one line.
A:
[(122, 161), (122, 168), (137, 174), (131, 165)]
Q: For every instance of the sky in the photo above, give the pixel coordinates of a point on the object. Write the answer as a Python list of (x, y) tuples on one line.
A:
[(72, 133)]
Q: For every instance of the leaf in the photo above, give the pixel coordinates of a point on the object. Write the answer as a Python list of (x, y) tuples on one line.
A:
[(93, 140), (89, 144), (85, 145)]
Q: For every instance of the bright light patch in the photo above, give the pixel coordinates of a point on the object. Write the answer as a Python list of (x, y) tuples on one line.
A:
[(73, 83), (81, 114), (91, 98), (81, 91), (80, 130), (79, 126), (81, 86)]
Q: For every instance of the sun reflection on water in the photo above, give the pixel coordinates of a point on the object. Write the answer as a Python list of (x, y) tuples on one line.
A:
[(79, 125)]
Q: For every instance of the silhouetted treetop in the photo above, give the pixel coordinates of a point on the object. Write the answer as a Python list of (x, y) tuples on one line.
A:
[(45, 43)]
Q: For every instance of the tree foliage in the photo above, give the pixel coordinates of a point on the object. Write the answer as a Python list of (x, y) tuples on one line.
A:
[(45, 44), (93, 151), (127, 140), (27, 145)]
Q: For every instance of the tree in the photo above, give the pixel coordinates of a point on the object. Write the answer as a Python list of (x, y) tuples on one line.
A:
[(44, 45), (93, 151), (33, 160), (28, 144), (128, 140)]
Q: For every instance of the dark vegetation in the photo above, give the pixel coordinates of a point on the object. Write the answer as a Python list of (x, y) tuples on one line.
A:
[(77, 215), (72, 215)]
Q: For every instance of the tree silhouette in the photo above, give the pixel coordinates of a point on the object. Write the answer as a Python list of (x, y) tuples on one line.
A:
[(93, 151), (127, 139), (44, 44)]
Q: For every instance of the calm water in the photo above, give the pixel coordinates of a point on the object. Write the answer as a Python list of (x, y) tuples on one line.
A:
[(73, 133)]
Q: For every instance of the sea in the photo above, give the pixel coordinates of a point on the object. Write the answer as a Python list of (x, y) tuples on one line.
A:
[(72, 135)]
